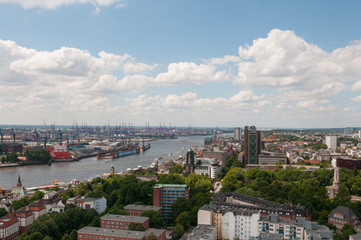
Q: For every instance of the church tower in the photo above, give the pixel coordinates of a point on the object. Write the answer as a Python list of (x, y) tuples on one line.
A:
[(19, 184)]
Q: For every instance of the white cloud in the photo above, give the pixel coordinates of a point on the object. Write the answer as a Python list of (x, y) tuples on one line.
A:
[(192, 73), (356, 99), (281, 73), (315, 105), (224, 60), (130, 67), (284, 60), (356, 86), (52, 4), (245, 99)]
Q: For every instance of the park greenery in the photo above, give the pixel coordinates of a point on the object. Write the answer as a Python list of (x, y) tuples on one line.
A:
[(62, 225), (22, 202), (32, 155), (119, 192), (3, 212)]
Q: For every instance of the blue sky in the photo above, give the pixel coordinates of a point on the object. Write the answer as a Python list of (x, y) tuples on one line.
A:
[(200, 63)]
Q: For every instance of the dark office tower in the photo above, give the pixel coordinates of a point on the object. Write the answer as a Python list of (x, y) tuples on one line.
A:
[(252, 145), (190, 161)]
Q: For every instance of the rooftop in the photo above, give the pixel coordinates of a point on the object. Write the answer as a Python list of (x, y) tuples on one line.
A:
[(154, 231), (127, 218), (202, 232), (170, 186), (142, 207), (112, 232)]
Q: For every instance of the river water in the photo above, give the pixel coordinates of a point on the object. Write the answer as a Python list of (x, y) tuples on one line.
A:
[(40, 175)]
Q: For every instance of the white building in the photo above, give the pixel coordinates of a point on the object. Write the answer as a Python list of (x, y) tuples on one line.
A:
[(230, 223), (99, 204), (331, 141), (293, 229), (207, 166), (237, 133)]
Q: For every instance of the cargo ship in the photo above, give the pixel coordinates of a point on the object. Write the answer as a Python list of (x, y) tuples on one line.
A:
[(122, 151)]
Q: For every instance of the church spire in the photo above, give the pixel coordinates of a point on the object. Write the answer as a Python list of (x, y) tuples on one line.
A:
[(19, 181)]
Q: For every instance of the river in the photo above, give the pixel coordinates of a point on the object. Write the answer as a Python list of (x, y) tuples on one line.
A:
[(40, 175)]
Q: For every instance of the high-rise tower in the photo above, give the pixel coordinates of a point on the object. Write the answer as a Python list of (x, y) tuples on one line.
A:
[(252, 145)]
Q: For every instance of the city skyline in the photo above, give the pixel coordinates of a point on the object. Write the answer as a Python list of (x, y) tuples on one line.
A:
[(199, 63)]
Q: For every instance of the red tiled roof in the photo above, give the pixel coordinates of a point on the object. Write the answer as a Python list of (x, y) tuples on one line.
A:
[(5, 222)]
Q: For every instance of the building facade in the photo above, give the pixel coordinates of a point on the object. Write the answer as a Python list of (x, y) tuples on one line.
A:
[(293, 229), (87, 233), (206, 166), (331, 141), (9, 228), (164, 195), (230, 222), (343, 215), (219, 155), (122, 222), (237, 134), (137, 210), (252, 145), (99, 204)]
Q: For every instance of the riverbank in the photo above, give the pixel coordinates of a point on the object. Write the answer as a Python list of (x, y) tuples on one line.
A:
[(90, 167), (9, 165)]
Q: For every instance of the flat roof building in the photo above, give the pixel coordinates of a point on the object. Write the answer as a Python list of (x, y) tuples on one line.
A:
[(137, 210), (164, 195), (97, 233), (203, 232), (122, 221)]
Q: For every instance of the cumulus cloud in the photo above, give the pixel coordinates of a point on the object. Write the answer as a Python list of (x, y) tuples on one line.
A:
[(284, 60), (316, 105), (356, 86), (224, 60), (192, 73), (130, 67), (52, 4), (281, 72), (244, 99), (356, 99)]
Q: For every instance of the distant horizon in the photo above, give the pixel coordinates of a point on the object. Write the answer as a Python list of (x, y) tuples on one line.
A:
[(157, 126)]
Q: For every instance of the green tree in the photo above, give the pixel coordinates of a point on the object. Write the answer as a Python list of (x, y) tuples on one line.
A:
[(152, 237), (356, 185), (176, 169), (346, 231), (179, 230), (343, 196), (65, 237), (183, 219), (36, 236), (155, 219), (180, 205), (199, 183), (22, 202), (73, 235), (118, 211), (171, 179), (136, 227), (37, 195), (3, 212), (234, 179)]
